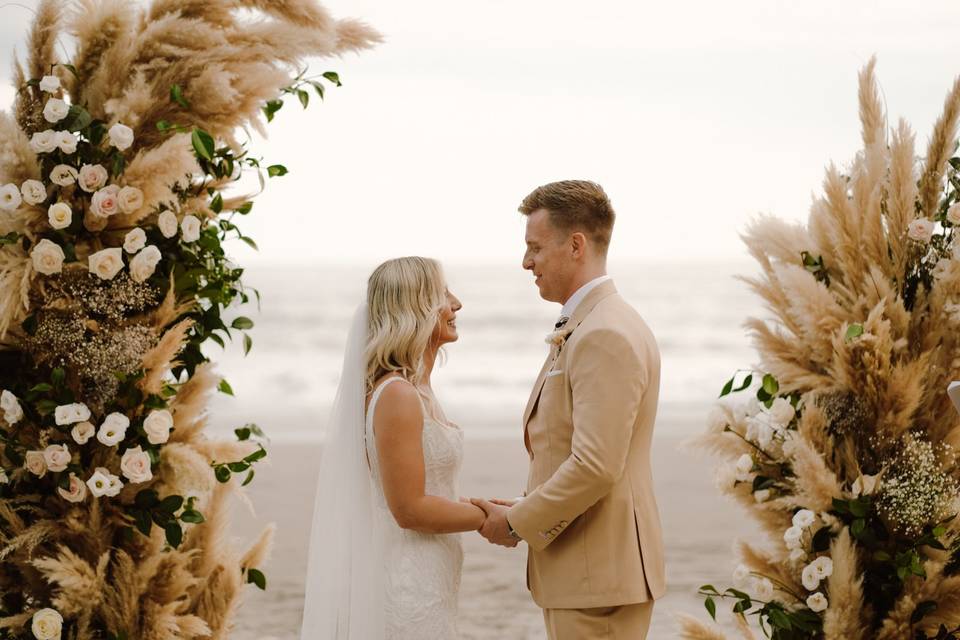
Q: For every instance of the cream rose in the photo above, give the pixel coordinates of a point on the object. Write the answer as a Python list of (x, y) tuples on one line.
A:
[(56, 457), (106, 263), (10, 197), (762, 589), (167, 221), (144, 264), (35, 463), (12, 411), (100, 483), (817, 602), (82, 432), (43, 141), (114, 429), (809, 578), (781, 411), (131, 199), (47, 257), (191, 228), (55, 110), (105, 202), (135, 465), (92, 177), (71, 413), (33, 192), (49, 84), (60, 215), (823, 566), (134, 240), (157, 426), (792, 537), (67, 142), (76, 490), (63, 175), (115, 485), (920, 230), (120, 136), (47, 625), (804, 518)]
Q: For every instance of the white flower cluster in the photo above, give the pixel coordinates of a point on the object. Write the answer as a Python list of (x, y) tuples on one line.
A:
[(795, 537), (768, 428), (47, 624), (135, 464), (12, 412), (759, 587)]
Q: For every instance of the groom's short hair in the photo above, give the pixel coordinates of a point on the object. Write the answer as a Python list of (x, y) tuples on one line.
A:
[(575, 205)]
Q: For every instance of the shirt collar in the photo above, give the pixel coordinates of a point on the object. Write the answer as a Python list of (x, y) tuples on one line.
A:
[(571, 305)]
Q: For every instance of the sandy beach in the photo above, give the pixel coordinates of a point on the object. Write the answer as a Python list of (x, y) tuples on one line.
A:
[(494, 603)]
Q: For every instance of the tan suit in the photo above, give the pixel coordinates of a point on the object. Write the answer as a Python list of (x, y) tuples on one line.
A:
[(589, 516)]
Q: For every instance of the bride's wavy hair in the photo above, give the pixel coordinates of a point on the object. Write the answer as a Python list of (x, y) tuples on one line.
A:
[(404, 299)]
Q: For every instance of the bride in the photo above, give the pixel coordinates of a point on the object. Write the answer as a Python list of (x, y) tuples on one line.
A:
[(385, 554)]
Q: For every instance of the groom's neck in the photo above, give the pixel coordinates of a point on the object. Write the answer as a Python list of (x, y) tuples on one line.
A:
[(582, 277)]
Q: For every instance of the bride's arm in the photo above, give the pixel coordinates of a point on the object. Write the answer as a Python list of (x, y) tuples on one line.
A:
[(398, 428)]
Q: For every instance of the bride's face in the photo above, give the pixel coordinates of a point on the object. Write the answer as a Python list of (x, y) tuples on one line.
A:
[(446, 330)]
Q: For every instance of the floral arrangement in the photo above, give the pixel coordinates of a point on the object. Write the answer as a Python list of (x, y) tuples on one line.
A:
[(119, 176), (844, 446)]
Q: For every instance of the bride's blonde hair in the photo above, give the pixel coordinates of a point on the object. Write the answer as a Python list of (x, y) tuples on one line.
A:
[(404, 299)]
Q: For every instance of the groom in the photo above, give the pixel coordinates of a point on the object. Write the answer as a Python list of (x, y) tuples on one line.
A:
[(589, 516)]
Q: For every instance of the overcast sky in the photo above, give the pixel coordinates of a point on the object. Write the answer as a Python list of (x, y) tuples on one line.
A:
[(693, 114)]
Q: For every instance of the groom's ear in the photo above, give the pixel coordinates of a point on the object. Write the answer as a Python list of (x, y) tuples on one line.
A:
[(578, 244)]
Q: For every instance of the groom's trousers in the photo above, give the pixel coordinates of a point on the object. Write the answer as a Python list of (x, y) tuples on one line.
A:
[(626, 622)]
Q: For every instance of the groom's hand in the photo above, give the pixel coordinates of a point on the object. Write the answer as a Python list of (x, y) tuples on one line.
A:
[(495, 529)]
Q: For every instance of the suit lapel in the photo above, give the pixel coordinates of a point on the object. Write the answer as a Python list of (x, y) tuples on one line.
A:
[(598, 293)]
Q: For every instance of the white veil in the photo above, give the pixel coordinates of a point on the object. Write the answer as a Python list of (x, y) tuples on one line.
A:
[(345, 571)]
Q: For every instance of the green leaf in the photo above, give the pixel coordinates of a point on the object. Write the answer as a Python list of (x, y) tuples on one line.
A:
[(249, 477), (247, 344), (821, 539), (243, 433), (245, 208), (304, 97), (318, 87), (255, 576), (333, 77), (243, 323), (224, 387), (43, 386), (259, 454), (174, 534), (271, 108), (77, 119), (171, 504), (143, 521), (857, 527), (203, 144), (276, 170), (192, 517), (711, 607), (238, 467), (57, 376), (925, 607), (176, 95), (250, 243), (770, 384), (222, 473), (853, 331), (216, 205), (779, 619), (72, 69), (9, 238), (146, 499), (859, 507), (30, 325), (727, 388)]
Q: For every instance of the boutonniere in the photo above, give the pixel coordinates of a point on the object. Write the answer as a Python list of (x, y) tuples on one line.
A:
[(558, 337)]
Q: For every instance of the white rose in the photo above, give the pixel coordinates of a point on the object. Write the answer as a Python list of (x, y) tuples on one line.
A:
[(953, 214), (157, 426), (167, 221), (63, 175), (810, 578), (134, 240), (67, 142), (33, 192), (55, 110), (92, 177), (941, 269), (113, 429), (823, 566), (762, 589), (76, 492), (82, 432), (49, 84), (47, 257), (191, 228), (105, 202), (35, 463), (792, 537), (43, 141), (120, 136), (131, 199), (765, 433), (10, 197), (99, 483), (804, 518), (920, 230), (817, 602), (47, 625), (741, 577), (115, 486), (12, 411), (56, 457), (762, 495), (59, 215), (781, 411), (71, 413), (135, 465), (744, 468), (106, 263), (143, 265), (865, 485), (796, 555)]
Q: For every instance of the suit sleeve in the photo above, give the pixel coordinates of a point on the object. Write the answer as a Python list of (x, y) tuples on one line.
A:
[(608, 380)]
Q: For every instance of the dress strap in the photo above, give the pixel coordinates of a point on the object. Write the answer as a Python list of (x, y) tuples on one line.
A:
[(376, 396)]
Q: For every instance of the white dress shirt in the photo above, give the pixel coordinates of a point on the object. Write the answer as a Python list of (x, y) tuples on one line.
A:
[(574, 301)]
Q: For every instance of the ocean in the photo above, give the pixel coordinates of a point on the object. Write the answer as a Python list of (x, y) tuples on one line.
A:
[(287, 382)]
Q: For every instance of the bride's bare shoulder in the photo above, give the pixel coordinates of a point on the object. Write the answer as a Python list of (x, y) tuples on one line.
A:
[(398, 401)]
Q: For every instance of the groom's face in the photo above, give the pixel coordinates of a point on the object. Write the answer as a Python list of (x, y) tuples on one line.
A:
[(548, 256)]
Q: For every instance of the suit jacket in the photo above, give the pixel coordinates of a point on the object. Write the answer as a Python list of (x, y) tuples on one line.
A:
[(589, 516)]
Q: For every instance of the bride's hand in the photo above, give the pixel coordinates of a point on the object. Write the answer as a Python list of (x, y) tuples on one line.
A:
[(504, 503)]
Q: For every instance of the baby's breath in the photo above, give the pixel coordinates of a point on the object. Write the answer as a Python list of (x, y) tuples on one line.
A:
[(917, 490)]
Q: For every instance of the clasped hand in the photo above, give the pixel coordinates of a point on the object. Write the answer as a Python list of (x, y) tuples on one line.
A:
[(495, 527)]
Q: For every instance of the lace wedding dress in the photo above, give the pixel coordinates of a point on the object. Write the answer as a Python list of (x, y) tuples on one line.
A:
[(422, 571)]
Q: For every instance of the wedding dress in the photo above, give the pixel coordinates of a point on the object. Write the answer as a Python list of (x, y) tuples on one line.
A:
[(368, 579), (422, 570)]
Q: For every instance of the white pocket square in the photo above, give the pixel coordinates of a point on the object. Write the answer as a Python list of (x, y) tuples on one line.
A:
[(557, 372)]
